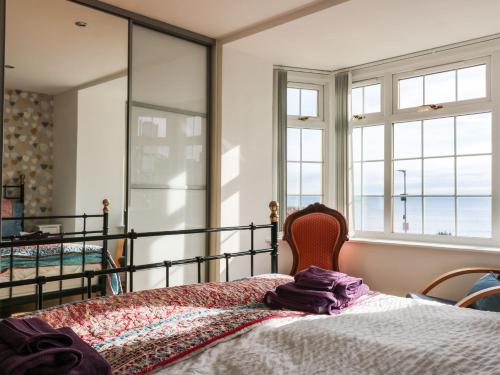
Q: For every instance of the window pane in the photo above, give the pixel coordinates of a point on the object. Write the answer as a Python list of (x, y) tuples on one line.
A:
[(373, 143), (439, 176), (372, 99), (474, 134), (292, 204), (471, 82), (293, 178), (309, 103), (373, 178), (310, 199), (373, 214), (312, 143), (439, 137), (357, 213), (311, 178), (357, 178), (413, 171), (440, 87), (293, 144), (407, 140), (474, 217), (413, 222), (439, 216), (356, 144), (293, 102), (411, 92), (474, 175), (357, 101)]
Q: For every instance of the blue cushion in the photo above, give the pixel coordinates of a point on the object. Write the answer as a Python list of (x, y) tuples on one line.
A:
[(13, 227), (491, 303)]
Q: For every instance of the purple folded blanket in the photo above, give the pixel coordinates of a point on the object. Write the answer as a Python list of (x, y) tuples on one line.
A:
[(333, 281), (31, 346)]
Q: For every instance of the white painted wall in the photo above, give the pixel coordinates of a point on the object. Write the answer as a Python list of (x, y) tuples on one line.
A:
[(101, 151), (246, 189), (65, 141), (246, 175), (89, 154)]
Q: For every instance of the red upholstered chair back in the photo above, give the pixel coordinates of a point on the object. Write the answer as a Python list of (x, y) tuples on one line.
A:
[(316, 235)]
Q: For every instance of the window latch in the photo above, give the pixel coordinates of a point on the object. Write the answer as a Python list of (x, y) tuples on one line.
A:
[(358, 117), (426, 107), (303, 118)]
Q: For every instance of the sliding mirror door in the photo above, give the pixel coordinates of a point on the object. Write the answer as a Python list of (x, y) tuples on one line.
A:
[(168, 151), (64, 128)]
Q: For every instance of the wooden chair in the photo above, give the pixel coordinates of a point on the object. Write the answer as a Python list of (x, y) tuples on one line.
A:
[(316, 235), (466, 301)]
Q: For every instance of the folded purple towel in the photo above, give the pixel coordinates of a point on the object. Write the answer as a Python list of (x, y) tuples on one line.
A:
[(92, 362), (318, 278), (318, 297), (333, 281), (348, 286), (32, 347), (54, 361), (31, 335), (291, 297)]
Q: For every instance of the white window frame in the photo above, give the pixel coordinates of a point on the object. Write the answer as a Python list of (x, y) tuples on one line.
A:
[(389, 74), (315, 123), (320, 118), (440, 69), (368, 118)]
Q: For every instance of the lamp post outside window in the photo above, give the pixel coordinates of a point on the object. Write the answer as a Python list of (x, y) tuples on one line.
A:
[(404, 200)]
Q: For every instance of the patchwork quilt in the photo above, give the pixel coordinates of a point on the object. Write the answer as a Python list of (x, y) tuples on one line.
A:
[(140, 332)]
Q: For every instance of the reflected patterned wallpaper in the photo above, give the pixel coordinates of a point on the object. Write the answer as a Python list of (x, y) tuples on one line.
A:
[(28, 147)]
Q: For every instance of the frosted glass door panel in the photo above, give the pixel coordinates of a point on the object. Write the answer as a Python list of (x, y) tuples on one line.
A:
[(168, 153), (167, 209), (169, 71), (169, 149)]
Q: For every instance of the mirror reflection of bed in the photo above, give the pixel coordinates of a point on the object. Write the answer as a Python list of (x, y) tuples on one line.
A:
[(64, 130)]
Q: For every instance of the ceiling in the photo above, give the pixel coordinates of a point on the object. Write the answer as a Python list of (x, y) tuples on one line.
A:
[(361, 31), (213, 18), (51, 55)]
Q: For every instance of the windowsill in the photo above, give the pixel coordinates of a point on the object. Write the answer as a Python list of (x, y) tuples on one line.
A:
[(427, 245)]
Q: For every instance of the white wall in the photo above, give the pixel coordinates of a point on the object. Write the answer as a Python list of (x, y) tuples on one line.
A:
[(247, 188), (246, 176), (65, 140), (101, 150)]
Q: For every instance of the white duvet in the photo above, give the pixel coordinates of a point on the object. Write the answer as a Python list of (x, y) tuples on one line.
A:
[(381, 335)]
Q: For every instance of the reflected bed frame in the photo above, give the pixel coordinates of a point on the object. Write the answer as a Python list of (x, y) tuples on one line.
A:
[(83, 236), (131, 268)]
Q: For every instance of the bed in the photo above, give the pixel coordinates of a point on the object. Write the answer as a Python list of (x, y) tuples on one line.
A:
[(223, 327), (32, 260)]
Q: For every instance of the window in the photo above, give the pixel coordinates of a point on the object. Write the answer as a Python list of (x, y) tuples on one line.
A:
[(305, 142), (442, 87), (302, 102), (304, 168), (425, 174), (442, 176), (368, 177), (366, 99)]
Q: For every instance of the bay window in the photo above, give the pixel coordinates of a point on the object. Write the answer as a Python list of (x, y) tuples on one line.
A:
[(422, 166)]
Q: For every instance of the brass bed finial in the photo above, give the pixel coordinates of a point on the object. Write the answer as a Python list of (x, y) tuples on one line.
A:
[(274, 207), (105, 204)]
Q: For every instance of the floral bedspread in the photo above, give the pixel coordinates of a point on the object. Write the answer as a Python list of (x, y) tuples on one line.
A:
[(140, 332)]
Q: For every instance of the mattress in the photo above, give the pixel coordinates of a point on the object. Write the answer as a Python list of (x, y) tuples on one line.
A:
[(30, 273)]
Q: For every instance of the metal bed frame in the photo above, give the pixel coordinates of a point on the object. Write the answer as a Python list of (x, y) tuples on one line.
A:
[(131, 267), (82, 236)]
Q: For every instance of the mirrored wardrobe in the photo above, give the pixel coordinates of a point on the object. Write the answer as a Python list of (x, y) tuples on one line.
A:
[(105, 104)]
